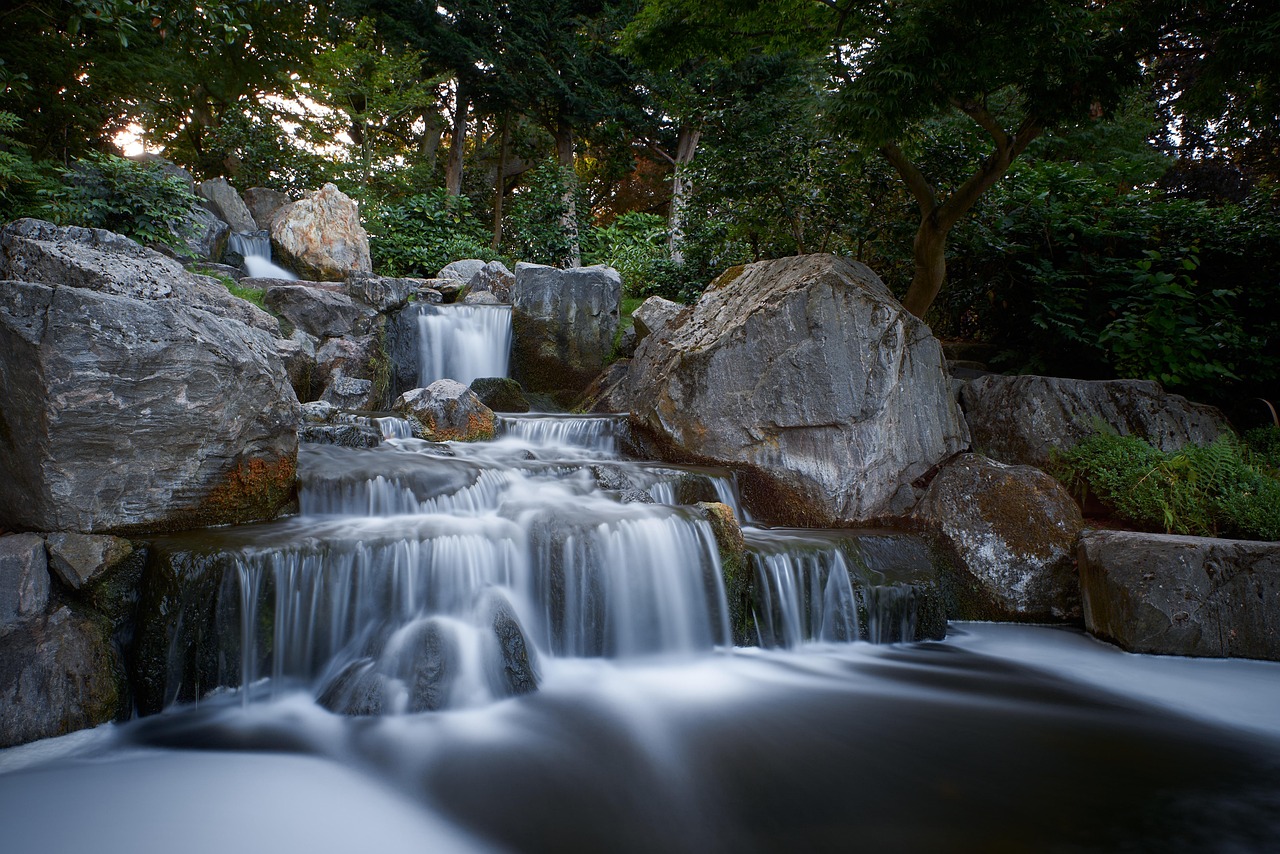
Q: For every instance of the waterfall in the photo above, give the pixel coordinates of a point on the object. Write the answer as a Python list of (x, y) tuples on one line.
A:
[(593, 432), (255, 248), (462, 342)]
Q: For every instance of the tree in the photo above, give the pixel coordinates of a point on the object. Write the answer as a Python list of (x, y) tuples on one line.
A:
[(1011, 68)]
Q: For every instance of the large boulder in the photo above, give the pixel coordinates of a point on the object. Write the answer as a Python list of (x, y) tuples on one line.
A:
[(222, 199), (264, 204), (318, 311), (806, 374), (1019, 420), (447, 411), (501, 394), (493, 278), (563, 323), (1175, 595), (320, 237), (126, 407), (1013, 531), (383, 293), (205, 235), (57, 675), (24, 578), (32, 250)]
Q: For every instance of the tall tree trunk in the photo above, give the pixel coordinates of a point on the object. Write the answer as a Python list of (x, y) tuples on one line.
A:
[(500, 184), (929, 251), (686, 147), (569, 219), (433, 126), (457, 149)]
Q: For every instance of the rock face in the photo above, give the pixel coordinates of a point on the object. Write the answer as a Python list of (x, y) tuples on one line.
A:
[(222, 199), (317, 311), (320, 237), (1019, 419), (263, 204), (1175, 595), (127, 407), (382, 293), (563, 323), (447, 411), (461, 271), (24, 578), (1013, 529), (654, 315), (58, 675), (493, 278), (610, 391), (809, 376)]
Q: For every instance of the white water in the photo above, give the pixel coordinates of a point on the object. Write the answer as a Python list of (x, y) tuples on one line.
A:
[(255, 248), (462, 342)]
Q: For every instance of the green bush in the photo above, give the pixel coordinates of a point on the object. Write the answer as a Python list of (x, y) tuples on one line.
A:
[(134, 199), (21, 179), (534, 230), (419, 235), (1202, 490), (1264, 447)]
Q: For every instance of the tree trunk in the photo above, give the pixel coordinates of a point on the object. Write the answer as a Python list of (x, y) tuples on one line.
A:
[(457, 149), (500, 185), (930, 254), (432, 130), (686, 147), (569, 219)]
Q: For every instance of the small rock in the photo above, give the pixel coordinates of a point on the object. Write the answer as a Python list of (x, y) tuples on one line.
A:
[(461, 271), (501, 394), (495, 278), (480, 298), (24, 577), (349, 393), (80, 559), (447, 411)]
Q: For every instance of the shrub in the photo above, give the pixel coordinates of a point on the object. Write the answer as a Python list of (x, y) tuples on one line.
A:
[(134, 199), (419, 235), (1203, 490), (535, 230)]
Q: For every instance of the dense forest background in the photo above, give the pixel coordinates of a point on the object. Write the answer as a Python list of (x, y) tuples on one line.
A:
[(1083, 187)]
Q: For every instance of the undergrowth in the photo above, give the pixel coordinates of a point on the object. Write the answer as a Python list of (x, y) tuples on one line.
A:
[(1223, 489)]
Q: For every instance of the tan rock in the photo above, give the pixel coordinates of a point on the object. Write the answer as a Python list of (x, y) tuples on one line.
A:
[(320, 237)]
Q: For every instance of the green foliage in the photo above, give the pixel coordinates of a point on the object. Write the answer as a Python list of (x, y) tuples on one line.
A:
[(1211, 490), (535, 226), (134, 199), (421, 234), (1264, 447), (21, 178)]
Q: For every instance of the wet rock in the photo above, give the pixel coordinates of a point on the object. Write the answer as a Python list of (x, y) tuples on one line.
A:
[(656, 314), (610, 391), (346, 435), (494, 278), (447, 411), (501, 394), (81, 559), (810, 377), (518, 673), (318, 311), (461, 271), (1019, 420), (129, 414), (318, 412), (357, 690), (298, 354), (32, 250), (347, 392), (205, 235), (24, 578), (1013, 531), (1175, 595), (320, 236), (350, 355), (563, 323), (264, 204), (383, 293), (57, 675), (223, 200), (428, 664)]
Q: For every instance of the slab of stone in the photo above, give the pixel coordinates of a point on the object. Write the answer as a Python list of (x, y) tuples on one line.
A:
[(80, 559), (562, 326), (383, 293), (319, 311), (222, 199), (24, 578), (1176, 595), (461, 271)]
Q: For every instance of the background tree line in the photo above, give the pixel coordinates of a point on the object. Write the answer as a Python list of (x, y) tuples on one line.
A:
[(1087, 188)]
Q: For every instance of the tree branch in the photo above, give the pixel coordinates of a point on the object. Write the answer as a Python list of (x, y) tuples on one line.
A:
[(919, 186)]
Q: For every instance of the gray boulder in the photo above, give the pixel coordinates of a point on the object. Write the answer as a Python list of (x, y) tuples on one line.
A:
[(1013, 530), (383, 293), (347, 392), (461, 271), (501, 394), (320, 237), (1175, 595), (80, 559), (563, 323), (346, 435), (57, 675), (493, 278), (298, 355), (264, 204), (353, 356), (806, 374), (24, 578), (127, 414), (447, 411), (205, 235), (609, 392), (654, 315), (318, 311), (222, 199), (168, 167), (1020, 419), (481, 298), (32, 250)]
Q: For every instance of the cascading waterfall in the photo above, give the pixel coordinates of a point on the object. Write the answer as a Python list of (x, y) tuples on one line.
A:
[(255, 248), (599, 433), (462, 342)]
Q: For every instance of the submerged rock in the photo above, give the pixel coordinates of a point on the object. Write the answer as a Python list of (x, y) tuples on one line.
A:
[(562, 326), (518, 673), (428, 664), (806, 373), (1013, 530), (320, 237), (447, 411), (1176, 595), (1019, 420), (358, 690)]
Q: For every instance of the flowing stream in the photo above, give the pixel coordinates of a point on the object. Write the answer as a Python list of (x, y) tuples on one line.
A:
[(255, 248), (536, 644)]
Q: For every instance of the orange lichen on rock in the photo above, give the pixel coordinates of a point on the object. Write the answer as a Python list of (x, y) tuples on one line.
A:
[(254, 489)]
